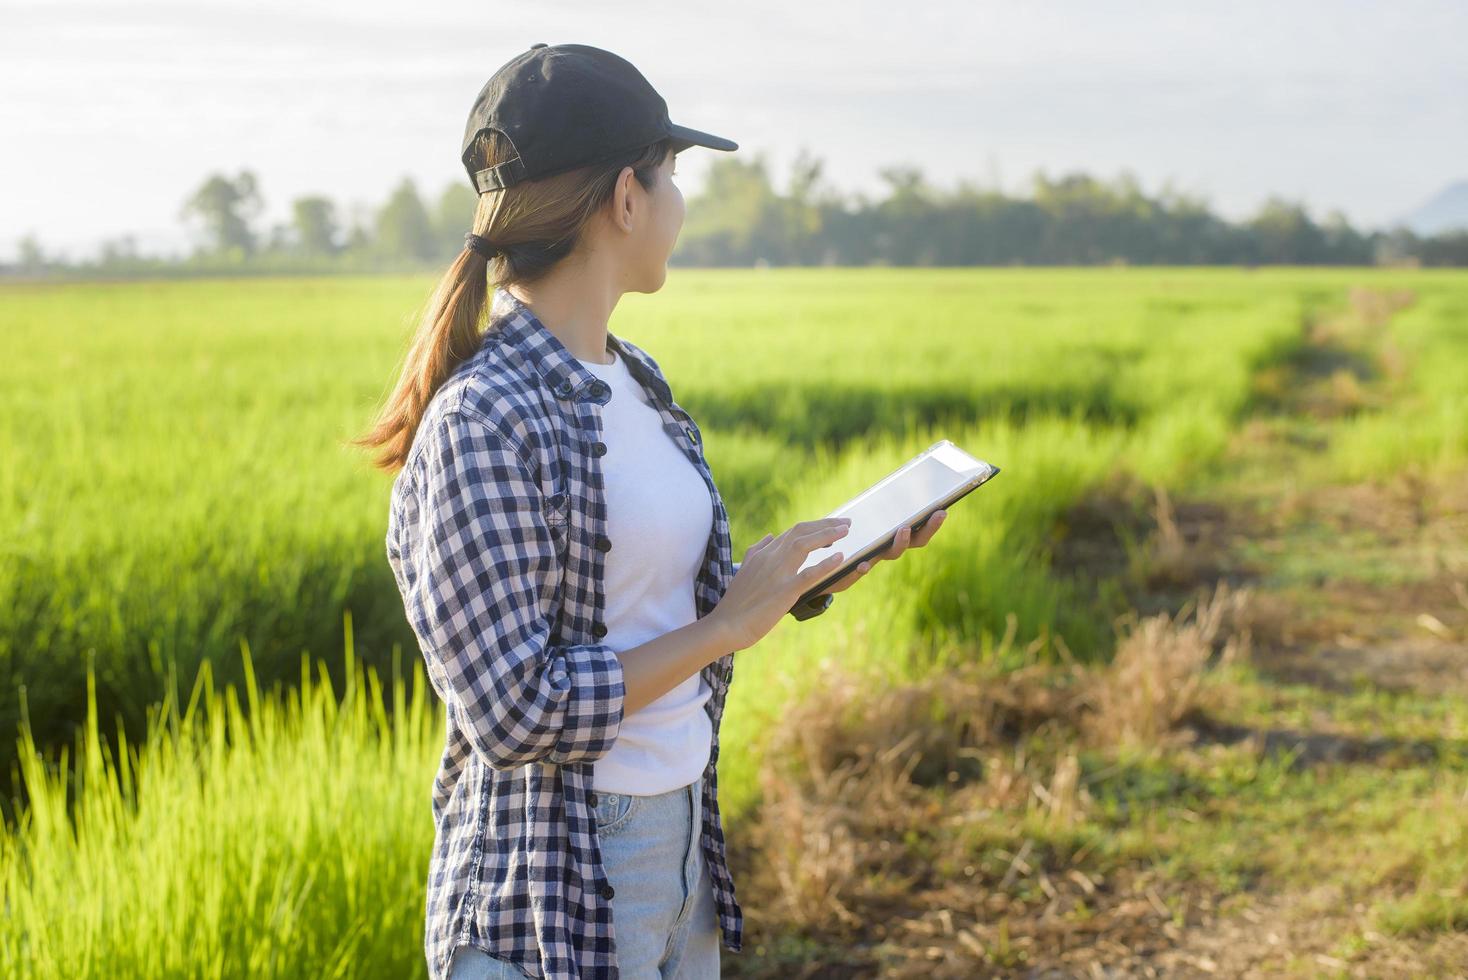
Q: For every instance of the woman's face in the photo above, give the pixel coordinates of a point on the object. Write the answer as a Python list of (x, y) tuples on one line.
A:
[(659, 232)]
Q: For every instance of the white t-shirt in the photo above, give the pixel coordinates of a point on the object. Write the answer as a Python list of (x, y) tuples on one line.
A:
[(660, 515)]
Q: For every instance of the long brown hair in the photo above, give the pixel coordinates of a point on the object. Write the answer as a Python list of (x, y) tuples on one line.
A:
[(533, 225)]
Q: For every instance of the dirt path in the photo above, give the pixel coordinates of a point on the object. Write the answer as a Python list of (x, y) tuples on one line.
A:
[(891, 845), (1353, 587)]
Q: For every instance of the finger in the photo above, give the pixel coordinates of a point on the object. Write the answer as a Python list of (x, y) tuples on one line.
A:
[(804, 527), (834, 525), (755, 548), (852, 576), (821, 568), (930, 528), (821, 534), (809, 527)]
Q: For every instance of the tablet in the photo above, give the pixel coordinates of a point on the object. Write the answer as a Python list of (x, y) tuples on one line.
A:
[(935, 479)]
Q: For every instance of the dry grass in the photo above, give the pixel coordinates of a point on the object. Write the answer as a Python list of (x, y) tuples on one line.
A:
[(872, 794), (1135, 535), (1183, 552), (850, 781), (1153, 681), (1342, 354)]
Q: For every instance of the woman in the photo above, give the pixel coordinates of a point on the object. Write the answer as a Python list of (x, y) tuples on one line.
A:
[(564, 557)]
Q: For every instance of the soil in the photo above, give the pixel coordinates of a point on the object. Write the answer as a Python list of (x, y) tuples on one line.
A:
[(1350, 586)]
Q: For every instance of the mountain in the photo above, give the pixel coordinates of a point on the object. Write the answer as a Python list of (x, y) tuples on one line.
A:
[(1447, 210)]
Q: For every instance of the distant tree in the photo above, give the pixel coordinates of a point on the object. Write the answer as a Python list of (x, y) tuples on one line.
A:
[(1285, 235), (360, 218), (453, 215), (315, 224), (404, 229), (905, 218), (1343, 244), (1398, 246), (806, 202), (123, 248), (737, 218), (31, 256), (1446, 248), (1190, 234), (224, 209), (279, 239)]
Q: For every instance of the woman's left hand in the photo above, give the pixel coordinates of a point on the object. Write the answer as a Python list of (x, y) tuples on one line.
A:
[(903, 541)]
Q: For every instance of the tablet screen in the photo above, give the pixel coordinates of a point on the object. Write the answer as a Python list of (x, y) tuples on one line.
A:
[(899, 498)]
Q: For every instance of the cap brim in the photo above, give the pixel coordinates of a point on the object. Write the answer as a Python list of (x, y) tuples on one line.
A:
[(683, 138)]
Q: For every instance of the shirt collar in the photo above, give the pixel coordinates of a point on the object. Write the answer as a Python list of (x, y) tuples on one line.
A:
[(513, 323)]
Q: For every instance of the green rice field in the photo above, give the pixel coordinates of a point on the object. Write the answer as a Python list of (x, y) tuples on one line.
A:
[(220, 735)]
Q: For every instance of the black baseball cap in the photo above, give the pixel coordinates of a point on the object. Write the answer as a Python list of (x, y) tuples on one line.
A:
[(564, 106)]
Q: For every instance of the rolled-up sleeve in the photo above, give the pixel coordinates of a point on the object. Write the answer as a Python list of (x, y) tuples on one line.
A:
[(482, 597)]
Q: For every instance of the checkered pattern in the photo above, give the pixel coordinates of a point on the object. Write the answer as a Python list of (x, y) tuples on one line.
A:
[(497, 539)]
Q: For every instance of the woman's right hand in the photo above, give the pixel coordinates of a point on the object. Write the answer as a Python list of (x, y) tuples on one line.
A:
[(769, 580)]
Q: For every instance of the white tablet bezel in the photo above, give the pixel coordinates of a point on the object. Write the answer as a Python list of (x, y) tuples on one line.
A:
[(950, 455)]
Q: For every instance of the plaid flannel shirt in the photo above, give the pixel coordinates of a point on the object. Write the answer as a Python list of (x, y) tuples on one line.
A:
[(496, 537)]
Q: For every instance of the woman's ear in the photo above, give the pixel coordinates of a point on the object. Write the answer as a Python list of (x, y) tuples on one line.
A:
[(622, 202)]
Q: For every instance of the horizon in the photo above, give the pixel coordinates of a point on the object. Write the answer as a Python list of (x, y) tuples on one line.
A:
[(979, 93)]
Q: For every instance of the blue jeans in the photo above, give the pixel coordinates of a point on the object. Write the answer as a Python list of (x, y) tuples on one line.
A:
[(663, 913)]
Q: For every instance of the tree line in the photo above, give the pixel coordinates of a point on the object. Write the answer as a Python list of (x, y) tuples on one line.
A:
[(741, 218)]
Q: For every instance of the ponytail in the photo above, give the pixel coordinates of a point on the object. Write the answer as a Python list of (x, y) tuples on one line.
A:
[(448, 334), (528, 227)]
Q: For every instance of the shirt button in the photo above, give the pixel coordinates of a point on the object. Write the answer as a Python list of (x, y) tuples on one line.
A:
[(591, 799), (598, 630), (603, 543), (607, 891), (598, 449)]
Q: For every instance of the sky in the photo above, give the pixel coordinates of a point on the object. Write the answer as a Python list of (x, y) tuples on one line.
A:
[(114, 111)]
